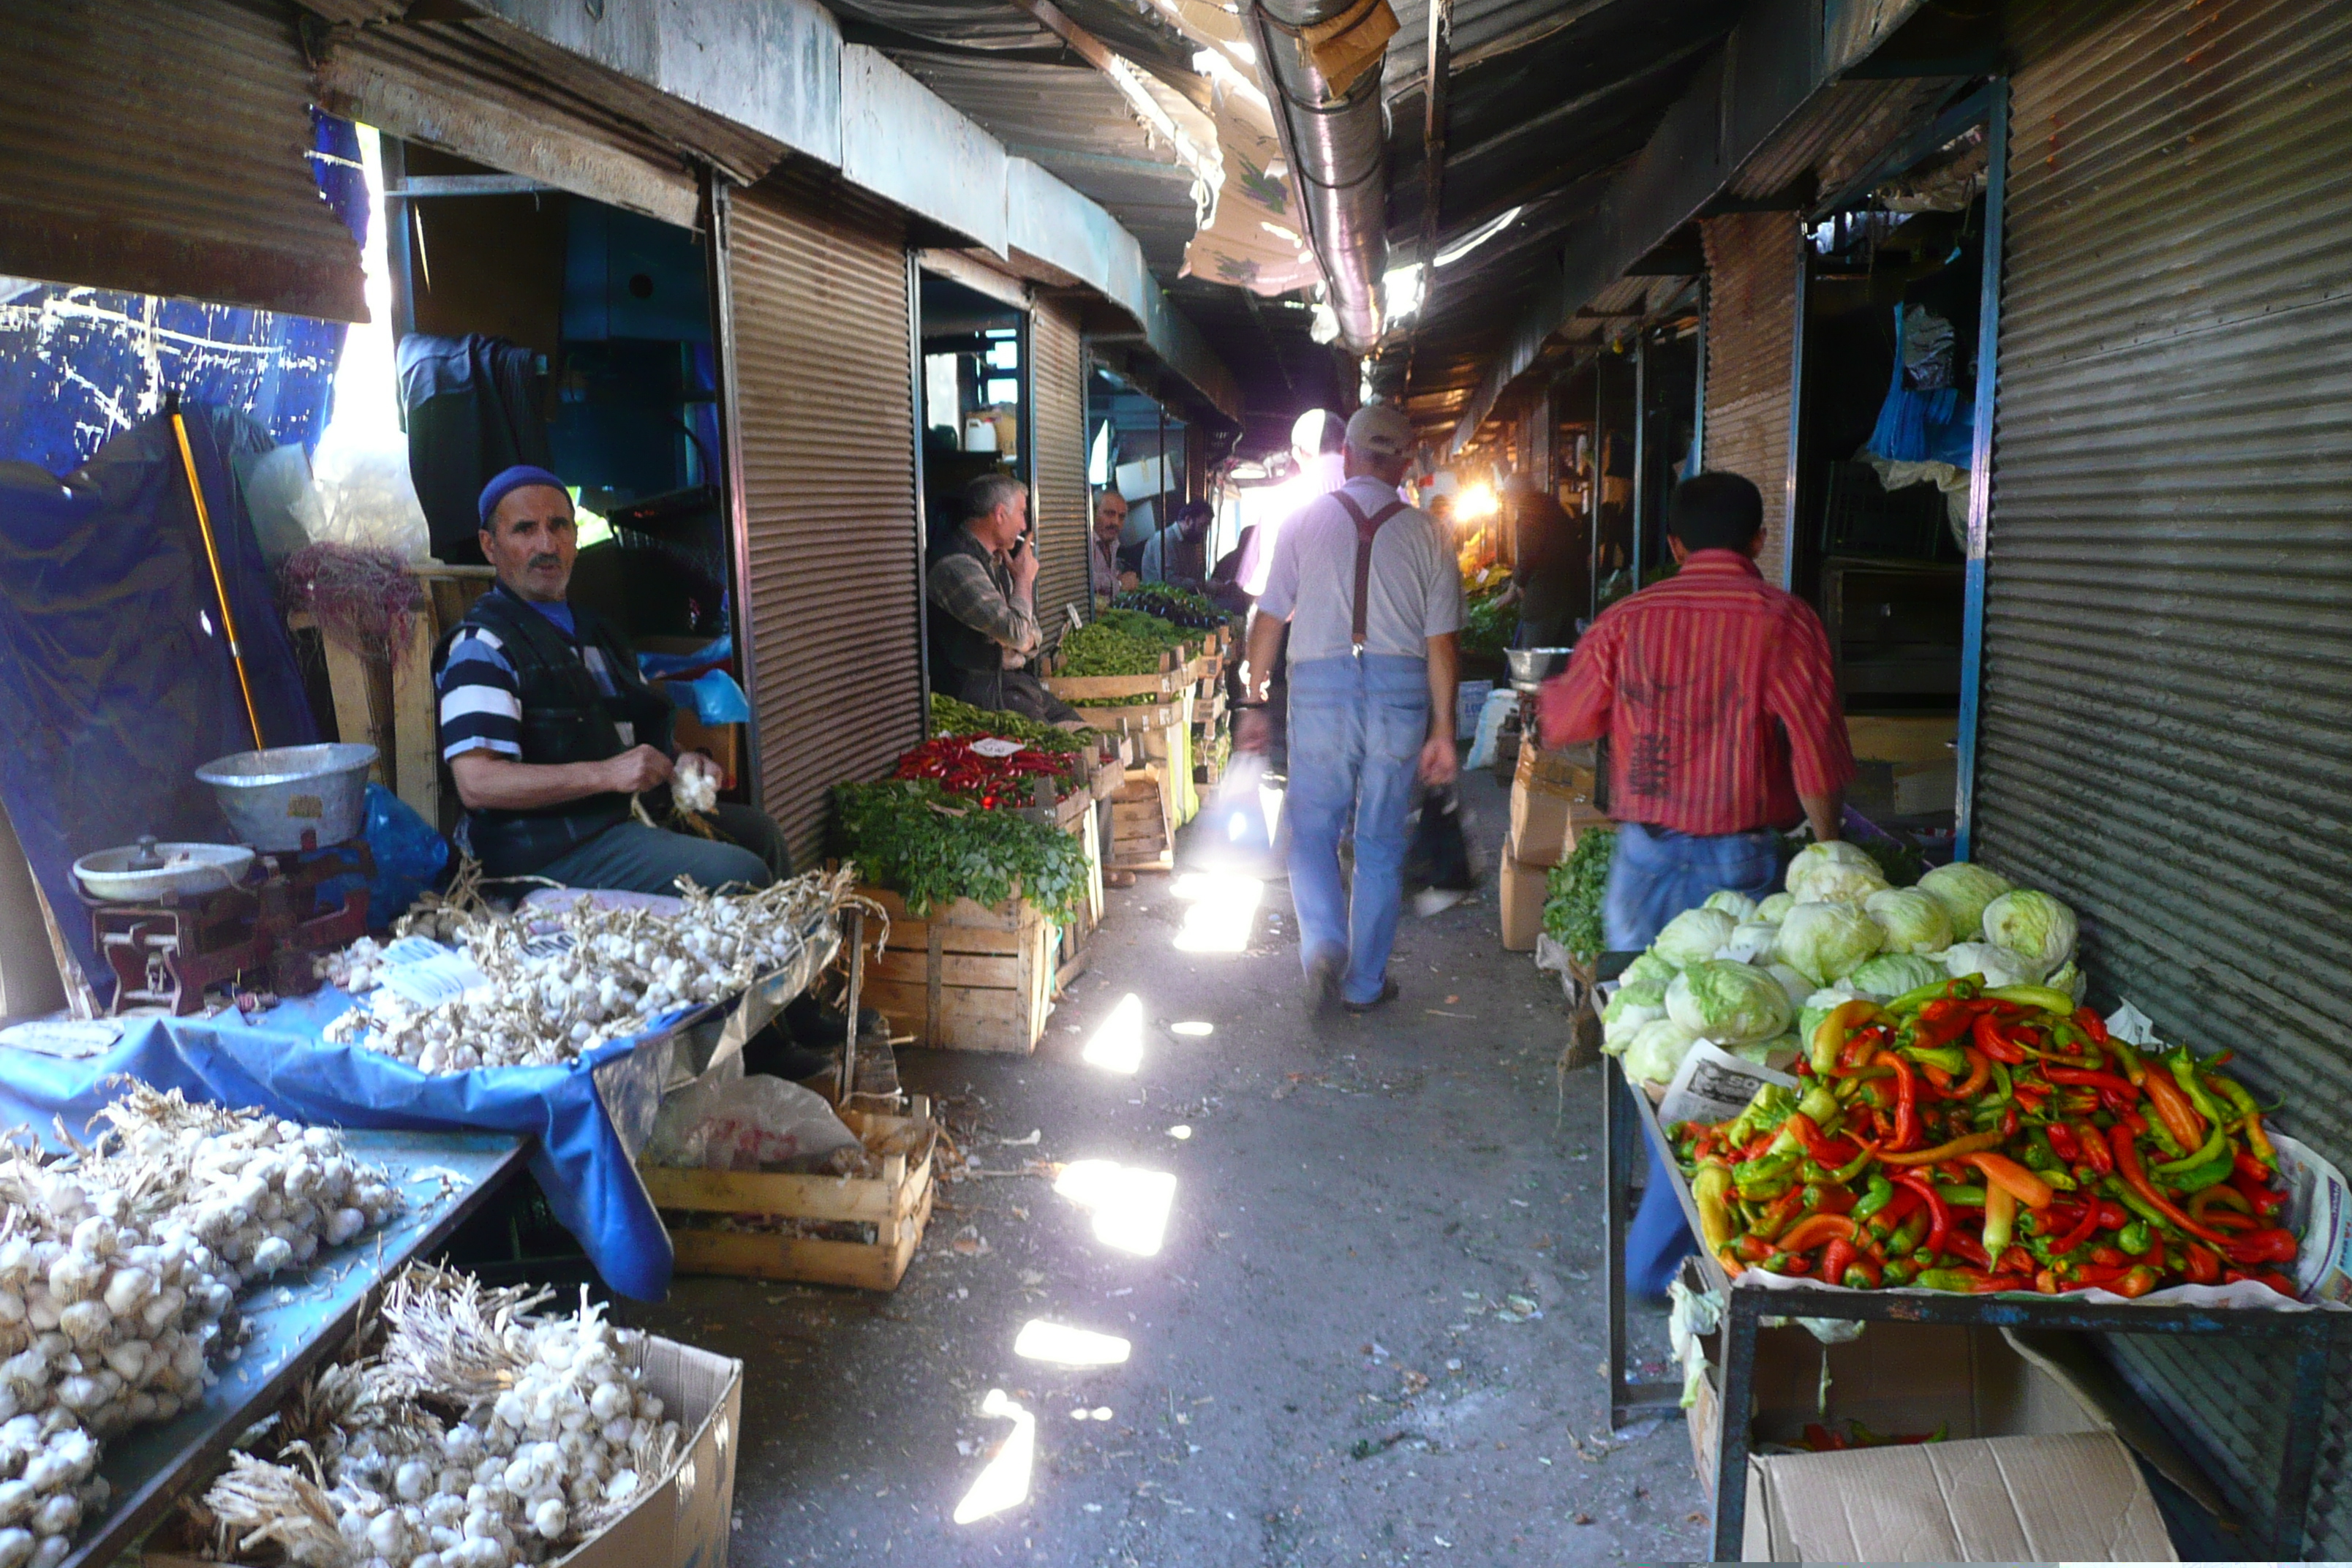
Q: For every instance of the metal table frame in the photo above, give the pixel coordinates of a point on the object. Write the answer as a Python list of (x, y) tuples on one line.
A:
[(2311, 1335)]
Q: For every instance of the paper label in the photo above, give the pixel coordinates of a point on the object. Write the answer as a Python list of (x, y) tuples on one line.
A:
[(2131, 1026), (989, 746), (429, 982), (1713, 1085)]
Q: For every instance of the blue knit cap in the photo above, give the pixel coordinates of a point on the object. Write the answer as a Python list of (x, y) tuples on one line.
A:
[(513, 479)]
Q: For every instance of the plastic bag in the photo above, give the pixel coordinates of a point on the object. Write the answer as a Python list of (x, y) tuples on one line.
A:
[(1440, 855), (409, 856), (1235, 828), (725, 1121)]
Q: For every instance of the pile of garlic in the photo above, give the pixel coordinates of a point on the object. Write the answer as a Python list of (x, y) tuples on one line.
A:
[(117, 1265), (605, 974), (475, 1437)]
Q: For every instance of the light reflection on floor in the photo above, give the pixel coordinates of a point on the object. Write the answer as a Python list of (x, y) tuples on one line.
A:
[(1117, 1044), (1220, 909), (1130, 1207), (1004, 1483), (1066, 1346)]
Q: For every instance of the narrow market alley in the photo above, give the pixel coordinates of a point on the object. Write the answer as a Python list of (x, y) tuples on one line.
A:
[(1372, 1330)]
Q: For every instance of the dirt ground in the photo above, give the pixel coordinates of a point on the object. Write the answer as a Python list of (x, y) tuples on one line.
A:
[(1372, 1332)]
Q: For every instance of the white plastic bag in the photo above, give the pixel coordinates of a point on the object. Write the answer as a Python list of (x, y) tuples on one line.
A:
[(725, 1121)]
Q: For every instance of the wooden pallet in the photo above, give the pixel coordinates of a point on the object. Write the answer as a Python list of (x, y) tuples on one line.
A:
[(967, 978), (1143, 837), (898, 1204)]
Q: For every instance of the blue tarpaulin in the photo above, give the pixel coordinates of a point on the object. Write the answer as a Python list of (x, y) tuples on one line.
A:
[(586, 1117)]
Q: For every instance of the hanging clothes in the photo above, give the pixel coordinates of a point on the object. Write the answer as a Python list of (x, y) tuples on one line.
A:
[(472, 406)]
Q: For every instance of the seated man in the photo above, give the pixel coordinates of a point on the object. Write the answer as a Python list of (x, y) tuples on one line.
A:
[(982, 583), (549, 729), (1181, 554)]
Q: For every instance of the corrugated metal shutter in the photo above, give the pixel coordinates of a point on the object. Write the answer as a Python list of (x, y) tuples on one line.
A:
[(823, 424), (160, 146), (2164, 736), (1751, 267), (1058, 402)]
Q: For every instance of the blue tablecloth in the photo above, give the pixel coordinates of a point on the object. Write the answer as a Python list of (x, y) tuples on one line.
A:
[(587, 1119)]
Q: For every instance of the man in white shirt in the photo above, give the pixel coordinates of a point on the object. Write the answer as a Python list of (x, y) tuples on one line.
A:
[(1373, 599)]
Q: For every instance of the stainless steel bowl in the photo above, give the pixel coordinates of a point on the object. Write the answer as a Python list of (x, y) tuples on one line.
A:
[(293, 797), (1531, 667), (187, 868)]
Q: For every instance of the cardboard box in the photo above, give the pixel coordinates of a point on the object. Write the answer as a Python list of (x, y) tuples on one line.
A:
[(1523, 903), (686, 1521), (1545, 823), (2029, 1470)]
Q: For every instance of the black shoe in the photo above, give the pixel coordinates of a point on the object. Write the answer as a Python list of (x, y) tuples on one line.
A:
[(1388, 994), (776, 1054), (813, 1024), (1323, 978)]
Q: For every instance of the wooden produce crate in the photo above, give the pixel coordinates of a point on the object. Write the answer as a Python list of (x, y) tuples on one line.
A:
[(1136, 717), (1143, 836), (898, 1204), (967, 978), (1170, 750), (1076, 688)]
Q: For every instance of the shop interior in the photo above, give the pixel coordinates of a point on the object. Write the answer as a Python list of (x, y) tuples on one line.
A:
[(975, 393), (1892, 286), (1136, 443)]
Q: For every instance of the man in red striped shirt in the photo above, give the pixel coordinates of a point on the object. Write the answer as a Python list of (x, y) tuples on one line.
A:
[(1720, 702)]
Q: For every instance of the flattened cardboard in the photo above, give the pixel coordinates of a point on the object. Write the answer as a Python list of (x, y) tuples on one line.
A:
[(685, 1522), (1901, 1379), (1522, 889)]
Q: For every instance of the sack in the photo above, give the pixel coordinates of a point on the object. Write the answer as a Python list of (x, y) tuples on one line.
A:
[(725, 1121), (1233, 824), (1440, 855)]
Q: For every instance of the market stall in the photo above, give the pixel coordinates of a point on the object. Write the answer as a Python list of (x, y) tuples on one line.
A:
[(1889, 1104)]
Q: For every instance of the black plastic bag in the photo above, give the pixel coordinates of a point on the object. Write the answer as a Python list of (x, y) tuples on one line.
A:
[(1440, 855)]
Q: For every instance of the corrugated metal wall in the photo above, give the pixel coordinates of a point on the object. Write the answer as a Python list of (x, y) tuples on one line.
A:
[(823, 435), (1751, 267), (2166, 737), (159, 147), (1058, 402)]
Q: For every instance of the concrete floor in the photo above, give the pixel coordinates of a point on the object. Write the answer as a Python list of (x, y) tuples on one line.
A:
[(1373, 1333)]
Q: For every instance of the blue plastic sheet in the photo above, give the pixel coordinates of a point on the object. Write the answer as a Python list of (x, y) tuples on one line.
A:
[(585, 1161)]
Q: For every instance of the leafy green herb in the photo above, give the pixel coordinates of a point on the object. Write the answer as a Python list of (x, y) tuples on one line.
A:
[(1489, 628), (913, 837), (1101, 649), (951, 717), (1574, 891)]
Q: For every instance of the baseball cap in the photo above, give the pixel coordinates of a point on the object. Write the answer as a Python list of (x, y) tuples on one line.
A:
[(1380, 430)]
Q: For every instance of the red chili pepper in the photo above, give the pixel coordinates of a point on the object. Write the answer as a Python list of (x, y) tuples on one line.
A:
[(2137, 1282), (2127, 1165), (2262, 1247), (2094, 1151), (1814, 1229), (1940, 1218), (1980, 1074), (2062, 1142), (2254, 1170), (2113, 1215), (2110, 1257), (1862, 1274), (1753, 1247), (2106, 1080), (1961, 1245), (1906, 1103), (2172, 1108), (1835, 1257), (1940, 1023), (2008, 1120), (2084, 1229), (1992, 1042), (2204, 1265), (1833, 1154), (2091, 1023)]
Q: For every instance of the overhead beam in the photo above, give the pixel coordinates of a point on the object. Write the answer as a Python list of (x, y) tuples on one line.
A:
[(1773, 62)]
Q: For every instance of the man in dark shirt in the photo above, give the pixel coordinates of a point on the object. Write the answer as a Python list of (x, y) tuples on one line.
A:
[(1552, 583)]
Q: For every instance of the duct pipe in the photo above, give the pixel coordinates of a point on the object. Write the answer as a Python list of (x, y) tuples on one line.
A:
[(1337, 143)]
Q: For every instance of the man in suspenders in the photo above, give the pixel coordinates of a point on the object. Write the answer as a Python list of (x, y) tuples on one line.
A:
[(1373, 599)]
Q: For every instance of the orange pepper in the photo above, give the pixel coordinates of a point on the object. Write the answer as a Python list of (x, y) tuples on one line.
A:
[(2172, 1108), (1941, 1152), (2015, 1180), (1814, 1229)]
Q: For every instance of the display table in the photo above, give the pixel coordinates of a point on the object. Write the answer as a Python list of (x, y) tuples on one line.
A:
[(2308, 1336), (298, 1319)]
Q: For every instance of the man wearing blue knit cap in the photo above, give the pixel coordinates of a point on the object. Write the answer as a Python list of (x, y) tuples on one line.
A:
[(549, 728)]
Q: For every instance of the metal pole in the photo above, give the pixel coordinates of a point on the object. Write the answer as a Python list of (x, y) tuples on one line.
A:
[(1159, 501), (1597, 482), (1641, 450), (211, 558)]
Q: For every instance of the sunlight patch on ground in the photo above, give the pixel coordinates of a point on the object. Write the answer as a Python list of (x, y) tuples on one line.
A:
[(1004, 1483), (1130, 1207), (1192, 1029), (1066, 1346), (1219, 913), (1117, 1044)]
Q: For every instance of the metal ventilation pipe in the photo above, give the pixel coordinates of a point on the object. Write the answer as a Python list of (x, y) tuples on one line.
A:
[(1339, 145)]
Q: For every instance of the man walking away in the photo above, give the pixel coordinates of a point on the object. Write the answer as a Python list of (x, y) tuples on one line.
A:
[(1720, 702), (1369, 588)]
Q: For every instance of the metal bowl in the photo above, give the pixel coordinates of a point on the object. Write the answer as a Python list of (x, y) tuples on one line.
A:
[(293, 797), (1531, 667), (187, 869)]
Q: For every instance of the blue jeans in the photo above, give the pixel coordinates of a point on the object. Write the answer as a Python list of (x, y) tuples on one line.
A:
[(1356, 727), (1656, 874)]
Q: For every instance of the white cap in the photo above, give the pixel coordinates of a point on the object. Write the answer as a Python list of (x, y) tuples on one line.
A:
[(1306, 431), (1379, 431)]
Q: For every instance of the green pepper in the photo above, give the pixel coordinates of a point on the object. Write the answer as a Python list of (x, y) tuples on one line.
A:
[(1852, 1084), (1768, 1108), (2216, 1145), (2199, 1177), (1894, 1272), (1907, 1238), (1918, 996), (1820, 1108), (1969, 1197), (1844, 1175), (1953, 1279), (2140, 1207), (2039, 1156), (2184, 1073), (2002, 1088), (1950, 1058), (1880, 1192), (2132, 1240)]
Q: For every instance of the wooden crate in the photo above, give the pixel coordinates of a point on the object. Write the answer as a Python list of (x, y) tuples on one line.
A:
[(1071, 958), (968, 977), (1170, 749), (1076, 688), (1143, 836), (898, 1204), (1140, 716)]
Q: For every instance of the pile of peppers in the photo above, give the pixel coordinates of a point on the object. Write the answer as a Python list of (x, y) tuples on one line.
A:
[(989, 782), (1965, 1140)]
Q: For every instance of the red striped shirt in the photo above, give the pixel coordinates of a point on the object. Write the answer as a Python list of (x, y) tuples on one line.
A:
[(1718, 698)]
